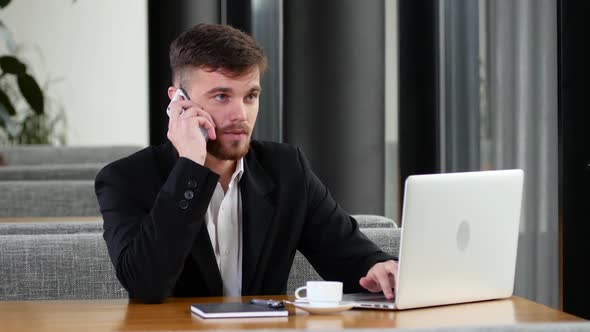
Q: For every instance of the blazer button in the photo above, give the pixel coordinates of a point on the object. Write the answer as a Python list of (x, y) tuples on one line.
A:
[(189, 194), (192, 183), (183, 204)]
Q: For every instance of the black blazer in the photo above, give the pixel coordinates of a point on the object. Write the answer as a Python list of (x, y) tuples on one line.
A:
[(160, 247)]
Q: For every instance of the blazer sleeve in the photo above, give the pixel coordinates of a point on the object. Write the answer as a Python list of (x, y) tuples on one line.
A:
[(149, 239), (331, 240)]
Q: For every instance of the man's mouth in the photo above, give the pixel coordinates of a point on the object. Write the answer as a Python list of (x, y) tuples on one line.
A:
[(235, 134)]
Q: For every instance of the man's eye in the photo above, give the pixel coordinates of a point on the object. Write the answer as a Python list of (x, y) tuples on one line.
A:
[(252, 97), (221, 97)]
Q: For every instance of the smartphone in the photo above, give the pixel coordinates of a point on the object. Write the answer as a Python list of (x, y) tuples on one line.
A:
[(180, 93)]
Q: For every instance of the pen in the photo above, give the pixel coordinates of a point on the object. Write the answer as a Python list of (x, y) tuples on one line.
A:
[(269, 303)]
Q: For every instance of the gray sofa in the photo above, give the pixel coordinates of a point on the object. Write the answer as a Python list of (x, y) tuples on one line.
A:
[(49, 181), (69, 260), (45, 162), (47, 154), (50, 198), (81, 171)]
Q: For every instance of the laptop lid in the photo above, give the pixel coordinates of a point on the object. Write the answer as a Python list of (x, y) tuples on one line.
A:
[(459, 239)]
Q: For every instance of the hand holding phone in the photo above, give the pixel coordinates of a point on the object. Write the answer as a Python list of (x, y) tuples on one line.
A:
[(179, 93)]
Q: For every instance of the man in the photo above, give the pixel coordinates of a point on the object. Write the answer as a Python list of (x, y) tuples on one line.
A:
[(225, 216)]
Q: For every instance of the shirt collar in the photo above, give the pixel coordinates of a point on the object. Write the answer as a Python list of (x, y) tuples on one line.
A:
[(239, 171)]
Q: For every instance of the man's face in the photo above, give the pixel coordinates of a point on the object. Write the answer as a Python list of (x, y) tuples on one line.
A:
[(232, 102)]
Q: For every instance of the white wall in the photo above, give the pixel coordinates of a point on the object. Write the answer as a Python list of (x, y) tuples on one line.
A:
[(98, 48)]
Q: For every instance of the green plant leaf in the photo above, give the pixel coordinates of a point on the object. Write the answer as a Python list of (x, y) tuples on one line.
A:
[(12, 65), (4, 3), (31, 91), (5, 101)]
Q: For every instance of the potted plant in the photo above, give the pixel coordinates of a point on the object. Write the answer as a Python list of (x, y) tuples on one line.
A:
[(24, 116)]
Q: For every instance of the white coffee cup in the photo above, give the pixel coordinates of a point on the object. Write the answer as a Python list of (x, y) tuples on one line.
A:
[(321, 293)]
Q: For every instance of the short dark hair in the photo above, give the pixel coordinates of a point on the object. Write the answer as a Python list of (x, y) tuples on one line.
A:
[(215, 47)]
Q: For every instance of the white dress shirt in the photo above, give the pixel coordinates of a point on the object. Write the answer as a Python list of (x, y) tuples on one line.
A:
[(224, 224)]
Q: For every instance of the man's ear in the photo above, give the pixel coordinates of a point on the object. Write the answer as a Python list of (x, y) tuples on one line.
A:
[(171, 90)]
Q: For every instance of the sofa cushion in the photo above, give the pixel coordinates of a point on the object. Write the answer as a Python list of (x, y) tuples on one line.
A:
[(48, 198)]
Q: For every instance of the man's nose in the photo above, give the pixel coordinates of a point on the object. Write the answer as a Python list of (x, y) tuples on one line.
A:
[(238, 112)]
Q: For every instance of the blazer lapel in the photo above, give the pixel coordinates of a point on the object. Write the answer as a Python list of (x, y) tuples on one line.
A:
[(258, 209)]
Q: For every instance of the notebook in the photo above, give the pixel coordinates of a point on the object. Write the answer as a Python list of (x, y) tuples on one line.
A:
[(234, 310), (459, 240)]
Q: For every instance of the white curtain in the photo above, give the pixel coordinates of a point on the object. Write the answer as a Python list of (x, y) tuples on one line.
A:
[(498, 110), (522, 98)]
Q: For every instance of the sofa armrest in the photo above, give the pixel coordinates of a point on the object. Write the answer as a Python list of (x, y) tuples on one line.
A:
[(374, 221)]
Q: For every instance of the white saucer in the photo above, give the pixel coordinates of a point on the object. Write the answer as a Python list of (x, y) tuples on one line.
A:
[(323, 309)]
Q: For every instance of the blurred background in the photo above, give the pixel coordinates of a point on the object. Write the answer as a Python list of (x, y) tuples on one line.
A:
[(373, 91)]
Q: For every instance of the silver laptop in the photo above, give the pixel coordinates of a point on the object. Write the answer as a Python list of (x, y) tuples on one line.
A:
[(458, 240)]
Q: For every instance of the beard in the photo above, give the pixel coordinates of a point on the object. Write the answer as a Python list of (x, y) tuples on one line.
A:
[(233, 150)]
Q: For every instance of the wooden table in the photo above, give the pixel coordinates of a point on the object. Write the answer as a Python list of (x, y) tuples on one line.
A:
[(174, 314)]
